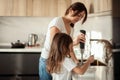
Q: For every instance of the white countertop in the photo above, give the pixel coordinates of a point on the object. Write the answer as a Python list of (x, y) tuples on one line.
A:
[(26, 49), (21, 50)]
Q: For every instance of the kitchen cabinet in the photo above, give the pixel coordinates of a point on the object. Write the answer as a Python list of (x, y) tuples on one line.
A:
[(116, 63), (96, 6), (5, 7), (18, 8), (116, 38), (29, 6), (47, 8), (12, 7), (19, 65), (62, 6), (44, 8), (103, 5)]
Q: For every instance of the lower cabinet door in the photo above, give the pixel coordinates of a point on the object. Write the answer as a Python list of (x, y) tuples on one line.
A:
[(23, 64), (19, 78)]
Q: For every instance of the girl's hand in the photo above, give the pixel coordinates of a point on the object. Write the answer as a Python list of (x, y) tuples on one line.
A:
[(91, 59), (78, 39)]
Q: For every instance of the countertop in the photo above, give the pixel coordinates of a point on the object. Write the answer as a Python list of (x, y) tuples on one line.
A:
[(96, 73), (27, 49), (6, 47)]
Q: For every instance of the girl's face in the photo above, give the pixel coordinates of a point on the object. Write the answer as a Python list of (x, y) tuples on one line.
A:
[(76, 18)]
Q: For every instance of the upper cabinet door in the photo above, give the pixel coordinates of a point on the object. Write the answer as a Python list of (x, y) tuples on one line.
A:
[(49, 8), (44, 8), (96, 6), (29, 7), (5, 7), (62, 6), (12, 7), (18, 8)]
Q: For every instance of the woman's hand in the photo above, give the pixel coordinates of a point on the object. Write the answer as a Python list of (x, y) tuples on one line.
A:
[(79, 38)]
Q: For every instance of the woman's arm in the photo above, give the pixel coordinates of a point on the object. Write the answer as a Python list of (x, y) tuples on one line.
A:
[(78, 39), (53, 31)]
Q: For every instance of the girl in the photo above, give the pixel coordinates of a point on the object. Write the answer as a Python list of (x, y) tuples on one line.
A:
[(65, 24), (59, 62)]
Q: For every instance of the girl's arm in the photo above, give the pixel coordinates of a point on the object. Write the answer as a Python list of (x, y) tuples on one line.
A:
[(82, 69)]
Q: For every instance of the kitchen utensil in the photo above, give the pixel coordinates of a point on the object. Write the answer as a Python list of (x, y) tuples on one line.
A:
[(17, 44), (32, 39)]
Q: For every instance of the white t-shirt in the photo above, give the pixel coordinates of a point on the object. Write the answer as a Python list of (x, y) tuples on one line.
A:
[(59, 23), (67, 67)]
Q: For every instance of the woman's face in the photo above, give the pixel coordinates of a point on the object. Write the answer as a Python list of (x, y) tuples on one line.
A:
[(76, 18)]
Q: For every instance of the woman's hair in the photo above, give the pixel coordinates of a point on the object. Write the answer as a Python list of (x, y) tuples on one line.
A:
[(77, 7), (58, 51)]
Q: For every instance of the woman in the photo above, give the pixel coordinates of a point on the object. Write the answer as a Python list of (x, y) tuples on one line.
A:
[(65, 24), (59, 62)]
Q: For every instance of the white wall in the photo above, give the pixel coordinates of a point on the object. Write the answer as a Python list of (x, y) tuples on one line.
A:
[(18, 28), (100, 24)]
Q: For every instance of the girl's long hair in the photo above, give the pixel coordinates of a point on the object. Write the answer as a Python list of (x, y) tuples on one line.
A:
[(77, 7), (58, 51)]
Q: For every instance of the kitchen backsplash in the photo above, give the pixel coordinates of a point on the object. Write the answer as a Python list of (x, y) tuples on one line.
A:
[(18, 28), (101, 24)]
